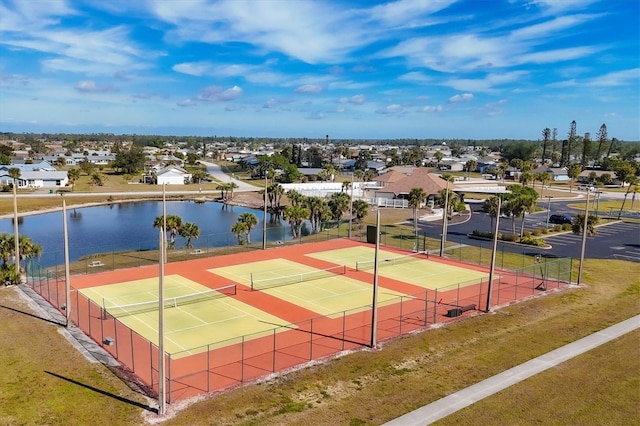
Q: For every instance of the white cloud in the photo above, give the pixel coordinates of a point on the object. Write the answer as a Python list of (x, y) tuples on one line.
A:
[(391, 109), (355, 99), (415, 77), (312, 32), (309, 88), (433, 108), (90, 86), (465, 97), (217, 94), (617, 78)]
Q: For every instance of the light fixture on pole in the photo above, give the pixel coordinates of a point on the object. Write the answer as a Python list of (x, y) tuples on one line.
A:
[(264, 220), (493, 254), (374, 303), (549, 197), (67, 275), (584, 238)]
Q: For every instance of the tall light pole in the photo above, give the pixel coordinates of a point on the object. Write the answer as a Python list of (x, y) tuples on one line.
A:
[(351, 206), (374, 303), (584, 238), (264, 221), (15, 223), (164, 221), (162, 391), (549, 197), (443, 240), (493, 254), (67, 275)]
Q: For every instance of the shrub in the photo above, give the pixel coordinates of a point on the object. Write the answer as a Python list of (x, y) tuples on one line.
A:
[(537, 232), (509, 237), (566, 227), (544, 230), (557, 228), (526, 234), (531, 241)]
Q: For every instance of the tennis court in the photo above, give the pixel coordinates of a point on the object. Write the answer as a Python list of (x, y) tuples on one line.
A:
[(327, 292), (195, 315), (414, 268)]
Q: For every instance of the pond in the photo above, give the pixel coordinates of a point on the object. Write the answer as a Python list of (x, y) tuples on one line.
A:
[(129, 226)]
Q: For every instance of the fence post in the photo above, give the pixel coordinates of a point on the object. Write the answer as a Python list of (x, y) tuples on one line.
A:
[(435, 307), (426, 306), (311, 341), (169, 380)]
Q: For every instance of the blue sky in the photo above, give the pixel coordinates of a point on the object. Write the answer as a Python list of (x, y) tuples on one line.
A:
[(468, 69)]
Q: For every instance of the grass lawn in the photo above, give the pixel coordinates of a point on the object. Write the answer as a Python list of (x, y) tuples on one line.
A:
[(369, 387)]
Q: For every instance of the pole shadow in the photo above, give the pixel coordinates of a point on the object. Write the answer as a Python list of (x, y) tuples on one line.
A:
[(105, 393), (51, 321)]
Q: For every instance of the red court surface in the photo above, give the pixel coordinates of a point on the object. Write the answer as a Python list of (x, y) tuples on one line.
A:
[(307, 337)]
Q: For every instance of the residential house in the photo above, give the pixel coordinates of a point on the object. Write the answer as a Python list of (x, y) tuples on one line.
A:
[(431, 183), (173, 175)]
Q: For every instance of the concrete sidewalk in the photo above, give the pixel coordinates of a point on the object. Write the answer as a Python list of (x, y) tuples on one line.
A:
[(459, 400)]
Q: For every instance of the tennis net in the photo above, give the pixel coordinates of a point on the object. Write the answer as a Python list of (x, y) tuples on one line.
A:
[(118, 311), (258, 284), (364, 265)]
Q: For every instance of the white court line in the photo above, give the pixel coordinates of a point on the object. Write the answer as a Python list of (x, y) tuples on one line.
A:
[(204, 323)]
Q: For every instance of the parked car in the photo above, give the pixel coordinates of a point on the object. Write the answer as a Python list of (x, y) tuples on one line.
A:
[(560, 219)]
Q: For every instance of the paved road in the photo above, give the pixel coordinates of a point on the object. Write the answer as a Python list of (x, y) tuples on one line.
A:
[(617, 240), (439, 409)]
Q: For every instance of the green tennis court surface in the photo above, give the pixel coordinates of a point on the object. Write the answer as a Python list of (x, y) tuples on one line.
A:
[(187, 326), (415, 270), (326, 293)]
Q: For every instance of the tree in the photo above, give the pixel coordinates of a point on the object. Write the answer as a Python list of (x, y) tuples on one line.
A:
[(624, 172), (573, 171), (360, 210), (318, 211), (295, 215), (174, 224), (240, 230), (416, 198), (633, 183), (274, 194), (130, 161), (521, 200), (10, 272), (490, 207), (546, 134), (189, 231), (602, 140), (578, 224), (97, 179), (295, 198), (250, 220), (471, 166), (86, 166), (338, 203), (73, 175), (439, 156)]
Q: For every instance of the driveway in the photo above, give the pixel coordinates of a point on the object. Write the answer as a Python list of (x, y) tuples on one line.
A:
[(215, 171)]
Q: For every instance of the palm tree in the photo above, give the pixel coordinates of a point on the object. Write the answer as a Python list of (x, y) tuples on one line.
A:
[(578, 224), (73, 175), (295, 215), (416, 198), (295, 198), (490, 207), (360, 210), (189, 231), (230, 187), (338, 203), (250, 220), (174, 224), (240, 229), (14, 173)]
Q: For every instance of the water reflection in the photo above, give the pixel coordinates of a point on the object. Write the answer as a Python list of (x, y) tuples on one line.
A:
[(129, 226)]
